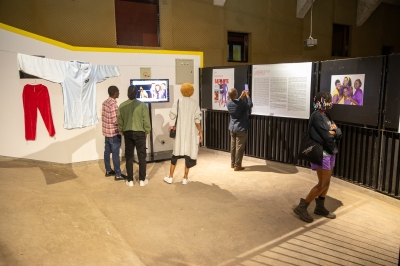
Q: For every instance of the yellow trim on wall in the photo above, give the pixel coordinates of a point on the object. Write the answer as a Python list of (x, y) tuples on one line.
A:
[(96, 49)]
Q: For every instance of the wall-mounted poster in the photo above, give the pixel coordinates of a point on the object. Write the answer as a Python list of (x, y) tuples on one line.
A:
[(223, 80), (282, 89), (363, 79), (348, 89)]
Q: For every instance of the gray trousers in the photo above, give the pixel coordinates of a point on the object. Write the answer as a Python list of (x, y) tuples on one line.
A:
[(238, 143)]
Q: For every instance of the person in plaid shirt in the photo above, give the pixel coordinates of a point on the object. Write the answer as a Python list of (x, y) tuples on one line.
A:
[(112, 143)]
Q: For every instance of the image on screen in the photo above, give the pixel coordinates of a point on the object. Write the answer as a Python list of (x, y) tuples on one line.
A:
[(151, 90)]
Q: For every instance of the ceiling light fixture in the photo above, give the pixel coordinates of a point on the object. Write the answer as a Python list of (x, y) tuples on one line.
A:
[(310, 41)]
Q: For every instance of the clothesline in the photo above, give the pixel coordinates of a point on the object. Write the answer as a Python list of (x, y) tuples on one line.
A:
[(172, 66)]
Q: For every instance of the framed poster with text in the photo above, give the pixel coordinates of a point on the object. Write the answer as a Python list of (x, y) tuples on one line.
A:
[(282, 89)]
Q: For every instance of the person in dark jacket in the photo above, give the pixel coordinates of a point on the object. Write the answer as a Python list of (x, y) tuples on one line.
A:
[(324, 131), (238, 125)]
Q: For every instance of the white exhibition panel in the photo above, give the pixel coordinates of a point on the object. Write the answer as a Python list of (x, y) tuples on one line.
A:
[(282, 90), (84, 144)]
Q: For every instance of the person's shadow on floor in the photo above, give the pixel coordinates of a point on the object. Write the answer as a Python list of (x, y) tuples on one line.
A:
[(273, 167)]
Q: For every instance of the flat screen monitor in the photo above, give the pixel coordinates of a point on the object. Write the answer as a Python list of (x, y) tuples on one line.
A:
[(152, 90)]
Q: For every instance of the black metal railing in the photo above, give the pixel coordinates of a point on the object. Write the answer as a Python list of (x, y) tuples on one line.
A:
[(367, 157)]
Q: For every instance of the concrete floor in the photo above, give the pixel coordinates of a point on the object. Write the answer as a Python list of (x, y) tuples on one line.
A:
[(72, 215)]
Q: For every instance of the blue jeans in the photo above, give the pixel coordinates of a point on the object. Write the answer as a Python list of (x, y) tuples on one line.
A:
[(112, 146)]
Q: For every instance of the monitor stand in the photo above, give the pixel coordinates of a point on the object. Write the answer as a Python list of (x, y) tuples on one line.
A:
[(157, 157), (154, 156)]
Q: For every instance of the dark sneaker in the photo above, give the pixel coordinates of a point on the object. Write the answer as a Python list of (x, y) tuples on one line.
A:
[(121, 177), (111, 173)]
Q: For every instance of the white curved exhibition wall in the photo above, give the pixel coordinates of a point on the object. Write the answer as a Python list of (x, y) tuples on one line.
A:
[(84, 144)]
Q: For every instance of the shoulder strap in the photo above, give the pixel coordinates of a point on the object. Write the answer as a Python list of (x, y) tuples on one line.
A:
[(177, 112), (310, 122)]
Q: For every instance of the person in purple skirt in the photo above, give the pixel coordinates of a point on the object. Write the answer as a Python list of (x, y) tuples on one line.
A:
[(324, 131)]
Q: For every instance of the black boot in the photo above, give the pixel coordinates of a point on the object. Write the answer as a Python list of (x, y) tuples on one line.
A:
[(320, 209), (301, 210)]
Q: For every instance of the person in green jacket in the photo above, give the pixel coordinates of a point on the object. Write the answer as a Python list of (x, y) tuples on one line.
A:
[(134, 123)]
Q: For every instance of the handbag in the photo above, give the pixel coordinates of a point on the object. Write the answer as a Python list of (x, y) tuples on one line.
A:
[(309, 149), (172, 132)]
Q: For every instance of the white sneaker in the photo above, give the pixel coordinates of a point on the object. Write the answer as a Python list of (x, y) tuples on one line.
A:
[(129, 183), (144, 182), (185, 181), (168, 179)]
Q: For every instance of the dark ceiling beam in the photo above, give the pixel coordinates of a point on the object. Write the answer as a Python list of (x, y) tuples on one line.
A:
[(302, 7), (364, 9)]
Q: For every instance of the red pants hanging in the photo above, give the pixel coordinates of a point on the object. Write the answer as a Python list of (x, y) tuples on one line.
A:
[(36, 97)]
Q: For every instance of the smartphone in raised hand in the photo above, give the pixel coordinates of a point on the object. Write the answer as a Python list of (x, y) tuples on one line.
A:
[(246, 87)]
